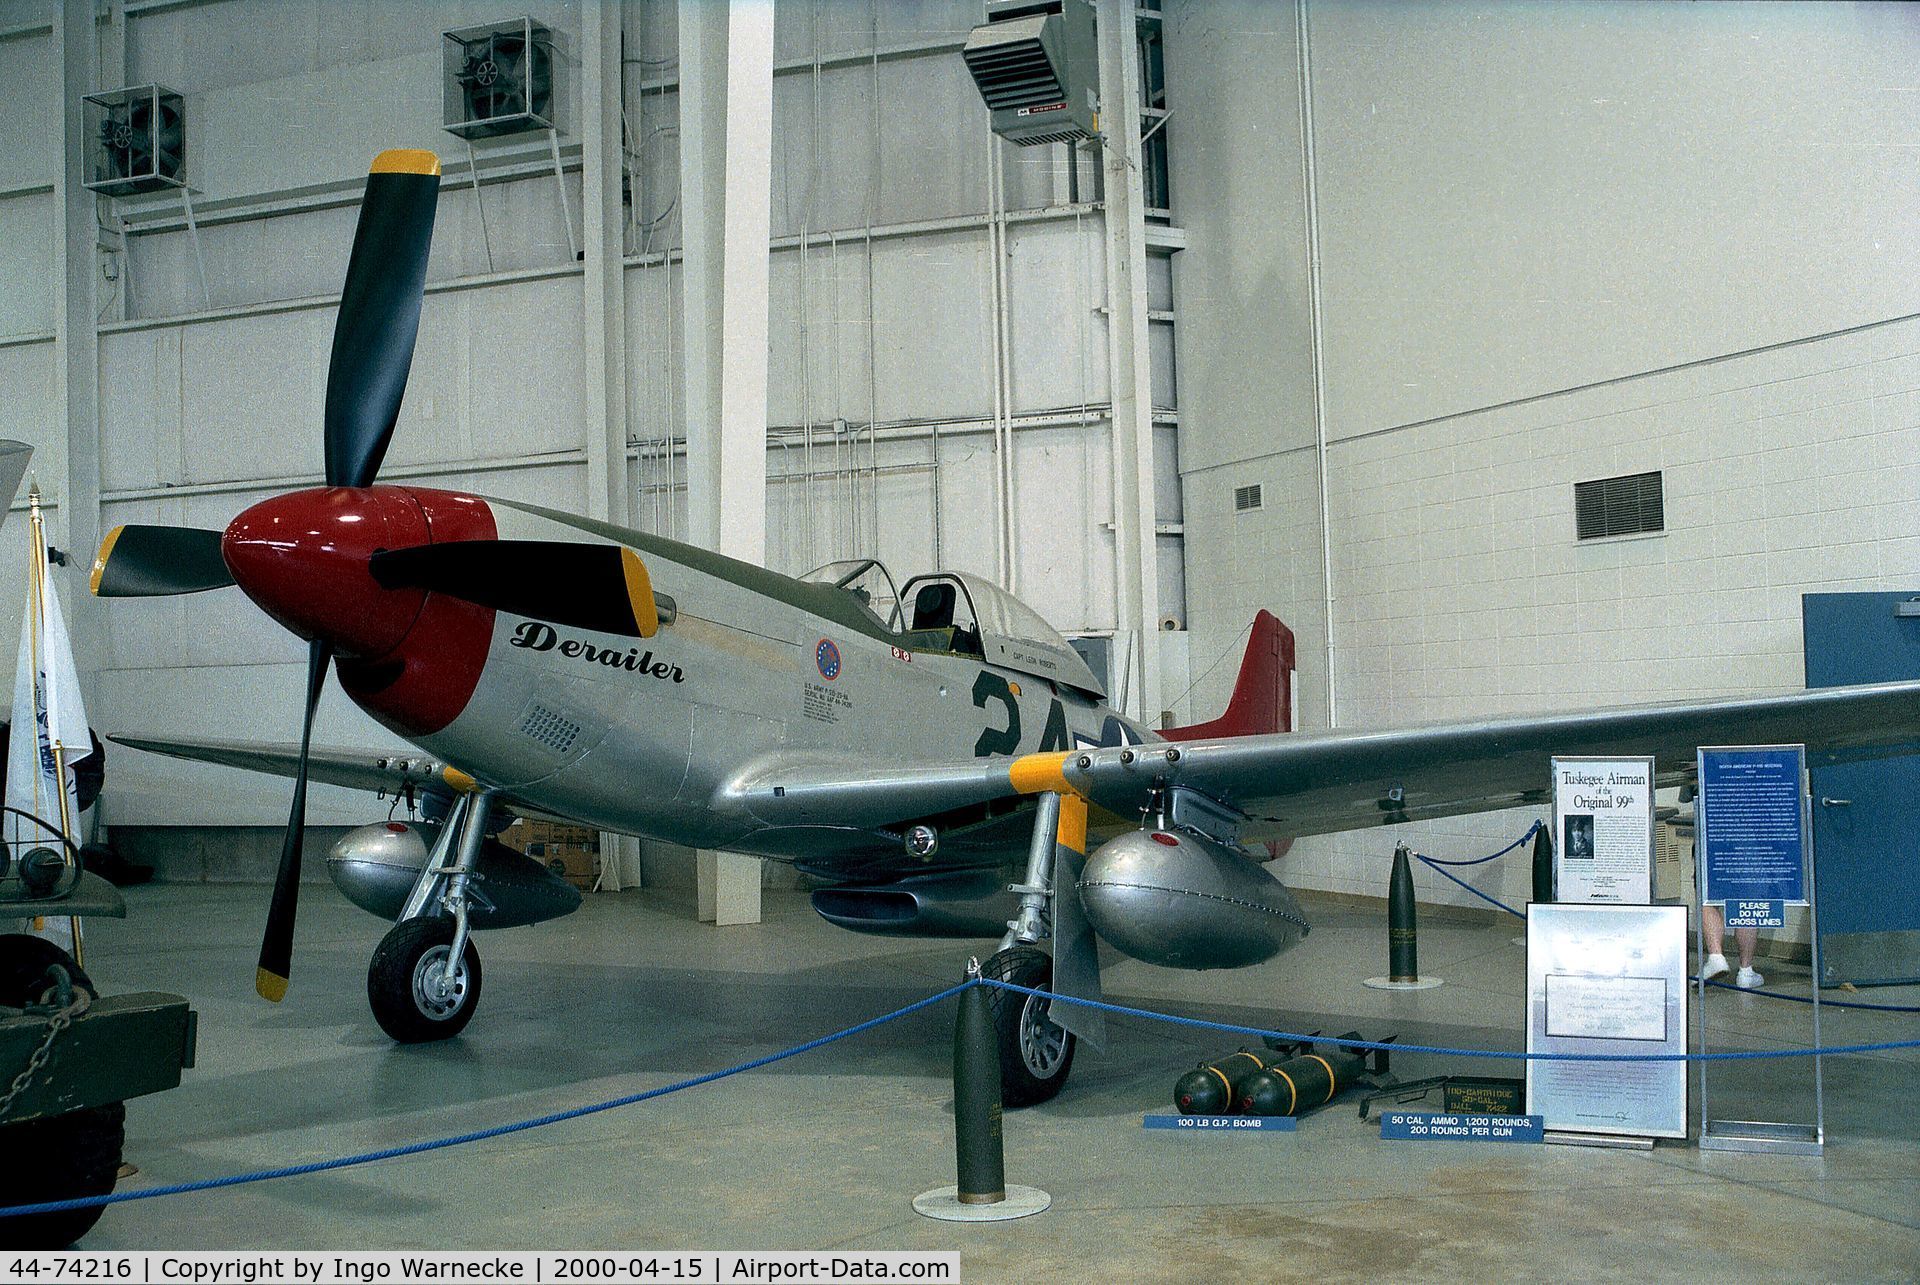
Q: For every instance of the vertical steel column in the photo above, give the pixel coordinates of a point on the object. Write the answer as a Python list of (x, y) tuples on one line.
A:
[(726, 157), (1310, 178), (726, 204), (76, 339), (746, 259), (604, 236), (703, 124), (1136, 561)]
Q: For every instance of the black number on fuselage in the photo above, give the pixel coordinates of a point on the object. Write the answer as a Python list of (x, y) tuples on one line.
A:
[(1055, 736), (996, 740)]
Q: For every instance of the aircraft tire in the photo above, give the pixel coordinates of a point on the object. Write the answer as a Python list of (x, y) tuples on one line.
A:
[(1035, 1054), (400, 978), (76, 1153)]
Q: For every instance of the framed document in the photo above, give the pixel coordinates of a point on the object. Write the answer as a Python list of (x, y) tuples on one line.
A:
[(1610, 980)]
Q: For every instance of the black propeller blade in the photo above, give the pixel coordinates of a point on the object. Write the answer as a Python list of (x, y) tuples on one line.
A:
[(601, 587), (150, 561), (276, 947), (379, 313), (372, 352)]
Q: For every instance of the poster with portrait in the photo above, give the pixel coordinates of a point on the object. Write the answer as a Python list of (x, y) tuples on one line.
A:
[(1603, 830)]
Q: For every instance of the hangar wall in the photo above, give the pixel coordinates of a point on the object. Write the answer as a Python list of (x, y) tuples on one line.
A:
[(1552, 245), (1555, 244), (883, 434)]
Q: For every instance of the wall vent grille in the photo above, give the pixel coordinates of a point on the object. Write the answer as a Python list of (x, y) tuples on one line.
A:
[(1247, 497), (1630, 505)]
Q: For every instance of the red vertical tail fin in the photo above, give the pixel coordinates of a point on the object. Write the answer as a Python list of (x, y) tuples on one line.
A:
[(1263, 694)]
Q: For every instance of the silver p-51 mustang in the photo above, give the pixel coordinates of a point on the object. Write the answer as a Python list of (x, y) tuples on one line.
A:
[(932, 752)]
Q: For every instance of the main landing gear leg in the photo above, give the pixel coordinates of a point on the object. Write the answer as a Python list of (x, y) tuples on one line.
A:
[(1035, 1053), (424, 981)]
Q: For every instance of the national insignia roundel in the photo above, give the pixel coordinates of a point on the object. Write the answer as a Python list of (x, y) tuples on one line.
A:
[(827, 656)]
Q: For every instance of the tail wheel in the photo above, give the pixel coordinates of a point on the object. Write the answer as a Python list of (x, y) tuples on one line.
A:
[(75, 1154), (415, 996), (1035, 1053)]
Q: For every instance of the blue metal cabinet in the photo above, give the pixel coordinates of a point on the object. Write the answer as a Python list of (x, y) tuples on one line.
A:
[(1866, 815)]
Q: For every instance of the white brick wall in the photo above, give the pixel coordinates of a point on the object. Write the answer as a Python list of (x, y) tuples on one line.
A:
[(1461, 590), (1543, 258)]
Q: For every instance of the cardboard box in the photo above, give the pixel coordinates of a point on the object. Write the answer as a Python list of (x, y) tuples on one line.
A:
[(570, 851)]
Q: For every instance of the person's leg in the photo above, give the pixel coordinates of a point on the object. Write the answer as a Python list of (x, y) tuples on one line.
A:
[(1713, 928), (1748, 939)]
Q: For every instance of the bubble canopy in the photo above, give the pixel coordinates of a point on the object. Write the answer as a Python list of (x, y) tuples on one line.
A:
[(960, 612)]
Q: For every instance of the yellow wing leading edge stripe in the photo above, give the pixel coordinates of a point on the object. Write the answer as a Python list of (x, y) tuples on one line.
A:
[(1041, 773), (405, 160), (100, 561), (1073, 823)]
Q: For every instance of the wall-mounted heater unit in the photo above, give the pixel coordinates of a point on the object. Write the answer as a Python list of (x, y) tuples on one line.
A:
[(137, 140), (1037, 65), (501, 78)]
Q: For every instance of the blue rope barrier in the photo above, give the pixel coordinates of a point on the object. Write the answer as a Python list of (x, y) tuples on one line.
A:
[(477, 1135), (1481, 861), (1470, 888), (1397, 1047), (630, 1099), (1744, 990), (1825, 1003)]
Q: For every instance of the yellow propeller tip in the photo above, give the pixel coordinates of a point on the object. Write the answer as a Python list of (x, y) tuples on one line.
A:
[(646, 612), (269, 985), (458, 780), (100, 562), (406, 160)]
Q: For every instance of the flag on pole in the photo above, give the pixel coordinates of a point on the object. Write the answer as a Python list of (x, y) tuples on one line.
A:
[(46, 688)]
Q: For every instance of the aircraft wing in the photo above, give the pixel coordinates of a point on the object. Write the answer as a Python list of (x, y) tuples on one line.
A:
[(355, 769), (1318, 783)]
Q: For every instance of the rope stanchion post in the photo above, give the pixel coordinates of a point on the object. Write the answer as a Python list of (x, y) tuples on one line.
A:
[(979, 1142), (1542, 865), (981, 1193), (1403, 934), (1542, 871)]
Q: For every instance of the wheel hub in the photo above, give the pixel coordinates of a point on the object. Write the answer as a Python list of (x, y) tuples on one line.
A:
[(1043, 1045), (439, 990)]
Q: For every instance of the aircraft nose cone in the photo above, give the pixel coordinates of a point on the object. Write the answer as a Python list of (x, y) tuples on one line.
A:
[(303, 558)]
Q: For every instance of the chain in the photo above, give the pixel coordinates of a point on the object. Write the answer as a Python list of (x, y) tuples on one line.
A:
[(61, 1019)]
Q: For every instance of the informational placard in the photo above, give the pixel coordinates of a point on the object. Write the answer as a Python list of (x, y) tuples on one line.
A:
[(1607, 980), (1221, 1123), (1436, 1126), (1753, 824), (1603, 830), (1756, 914)]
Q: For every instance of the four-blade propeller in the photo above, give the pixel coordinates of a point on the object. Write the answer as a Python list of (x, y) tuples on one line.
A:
[(373, 343), (602, 588)]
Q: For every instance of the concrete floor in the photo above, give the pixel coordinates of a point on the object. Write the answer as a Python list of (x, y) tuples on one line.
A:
[(827, 1150)]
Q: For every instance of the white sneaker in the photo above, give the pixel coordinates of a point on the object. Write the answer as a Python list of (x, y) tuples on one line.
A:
[(1715, 966), (1746, 979)]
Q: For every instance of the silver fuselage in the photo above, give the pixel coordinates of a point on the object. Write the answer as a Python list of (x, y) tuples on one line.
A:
[(645, 736)]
